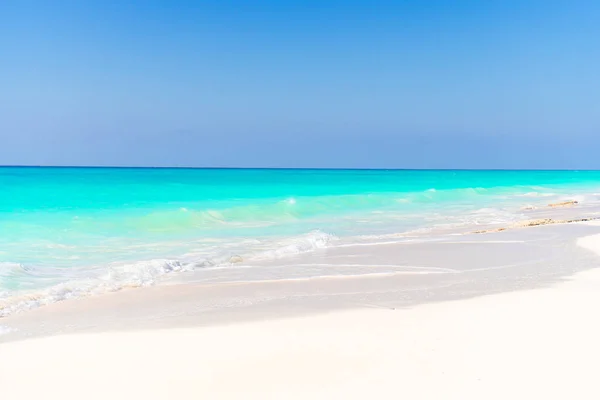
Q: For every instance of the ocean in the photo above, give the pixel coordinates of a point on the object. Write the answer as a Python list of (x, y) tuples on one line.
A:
[(71, 232)]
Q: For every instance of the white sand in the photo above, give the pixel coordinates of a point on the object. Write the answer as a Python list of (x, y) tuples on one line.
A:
[(537, 344)]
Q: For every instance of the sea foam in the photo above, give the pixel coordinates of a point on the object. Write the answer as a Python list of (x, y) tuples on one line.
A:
[(117, 276), (4, 330)]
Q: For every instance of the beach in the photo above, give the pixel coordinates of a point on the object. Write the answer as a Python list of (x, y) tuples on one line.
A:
[(506, 329), (345, 284), (299, 200)]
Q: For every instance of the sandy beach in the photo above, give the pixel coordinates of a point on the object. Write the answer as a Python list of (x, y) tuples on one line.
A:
[(297, 200), (534, 339)]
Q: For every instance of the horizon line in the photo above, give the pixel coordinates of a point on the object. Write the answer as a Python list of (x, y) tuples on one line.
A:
[(292, 168)]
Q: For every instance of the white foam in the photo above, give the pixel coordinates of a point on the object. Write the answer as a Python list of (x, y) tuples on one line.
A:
[(303, 244), (114, 278), (485, 216), (536, 194), (5, 329), (143, 273)]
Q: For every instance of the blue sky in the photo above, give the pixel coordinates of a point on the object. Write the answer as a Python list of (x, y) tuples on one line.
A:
[(388, 84)]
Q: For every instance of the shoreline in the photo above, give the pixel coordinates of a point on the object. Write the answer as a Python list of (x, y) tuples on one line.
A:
[(390, 275), (566, 212), (157, 272), (530, 342)]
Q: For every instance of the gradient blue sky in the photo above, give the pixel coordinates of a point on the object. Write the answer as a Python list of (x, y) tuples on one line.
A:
[(367, 84)]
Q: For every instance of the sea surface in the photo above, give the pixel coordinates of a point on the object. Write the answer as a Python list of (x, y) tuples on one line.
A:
[(70, 232)]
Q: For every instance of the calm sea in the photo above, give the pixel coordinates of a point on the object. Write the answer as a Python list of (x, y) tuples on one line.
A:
[(68, 232)]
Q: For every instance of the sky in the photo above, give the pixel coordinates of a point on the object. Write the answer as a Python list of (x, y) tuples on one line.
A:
[(301, 84)]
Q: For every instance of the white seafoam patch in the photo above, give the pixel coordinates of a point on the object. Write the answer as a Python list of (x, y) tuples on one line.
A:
[(4, 330), (117, 276)]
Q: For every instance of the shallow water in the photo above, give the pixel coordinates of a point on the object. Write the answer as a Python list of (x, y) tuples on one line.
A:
[(69, 232)]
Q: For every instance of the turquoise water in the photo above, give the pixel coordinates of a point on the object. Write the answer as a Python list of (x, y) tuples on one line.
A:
[(67, 232)]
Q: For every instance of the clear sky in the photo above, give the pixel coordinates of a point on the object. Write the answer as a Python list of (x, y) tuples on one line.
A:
[(355, 84)]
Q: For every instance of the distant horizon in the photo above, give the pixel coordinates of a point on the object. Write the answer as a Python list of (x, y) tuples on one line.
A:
[(295, 168)]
